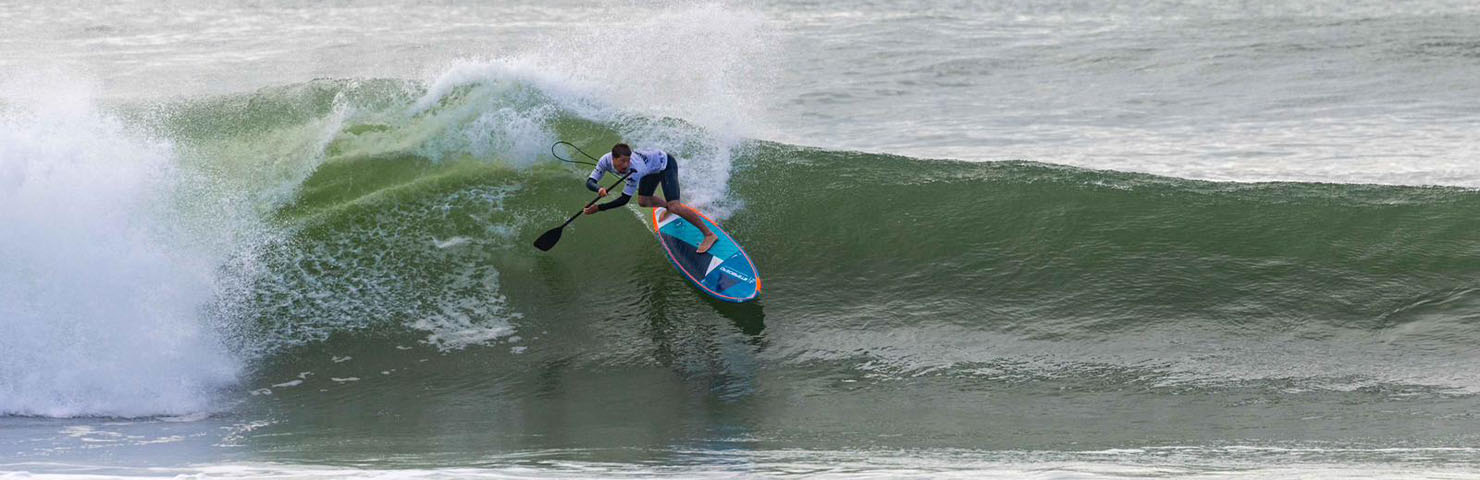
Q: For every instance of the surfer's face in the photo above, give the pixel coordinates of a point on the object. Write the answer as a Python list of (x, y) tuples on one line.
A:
[(621, 163)]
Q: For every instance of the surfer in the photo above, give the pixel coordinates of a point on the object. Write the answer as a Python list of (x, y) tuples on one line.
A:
[(651, 168)]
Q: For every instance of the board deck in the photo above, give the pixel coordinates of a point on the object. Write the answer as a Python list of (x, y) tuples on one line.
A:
[(725, 272)]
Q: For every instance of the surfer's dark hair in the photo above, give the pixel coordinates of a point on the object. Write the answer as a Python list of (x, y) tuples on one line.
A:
[(621, 150)]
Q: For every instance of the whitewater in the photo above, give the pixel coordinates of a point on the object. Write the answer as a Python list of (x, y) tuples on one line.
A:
[(1120, 240)]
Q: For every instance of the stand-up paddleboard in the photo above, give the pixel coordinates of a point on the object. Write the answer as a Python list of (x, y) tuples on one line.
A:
[(724, 272)]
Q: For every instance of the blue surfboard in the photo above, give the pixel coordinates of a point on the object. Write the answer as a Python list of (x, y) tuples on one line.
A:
[(725, 272)]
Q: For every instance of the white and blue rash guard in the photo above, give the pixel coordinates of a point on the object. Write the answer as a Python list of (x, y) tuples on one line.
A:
[(644, 162)]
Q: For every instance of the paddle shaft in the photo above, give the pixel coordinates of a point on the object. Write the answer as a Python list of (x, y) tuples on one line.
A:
[(598, 197)]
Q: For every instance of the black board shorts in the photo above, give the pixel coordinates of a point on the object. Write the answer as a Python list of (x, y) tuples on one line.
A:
[(669, 178)]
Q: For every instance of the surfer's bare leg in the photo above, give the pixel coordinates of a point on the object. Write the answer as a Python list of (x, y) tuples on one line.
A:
[(686, 213)]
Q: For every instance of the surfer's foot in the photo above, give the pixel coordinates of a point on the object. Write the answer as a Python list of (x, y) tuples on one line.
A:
[(707, 243)]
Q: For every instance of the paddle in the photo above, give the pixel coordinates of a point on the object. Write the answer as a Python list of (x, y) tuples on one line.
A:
[(548, 240)]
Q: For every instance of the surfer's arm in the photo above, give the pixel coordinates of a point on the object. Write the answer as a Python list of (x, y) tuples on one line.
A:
[(591, 184), (593, 208), (622, 200)]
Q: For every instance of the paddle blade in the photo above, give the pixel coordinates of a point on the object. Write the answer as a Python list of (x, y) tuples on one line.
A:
[(546, 241)]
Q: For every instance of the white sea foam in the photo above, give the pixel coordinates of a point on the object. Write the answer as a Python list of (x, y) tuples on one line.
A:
[(463, 307), (461, 322), (712, 66), (449, 243), (102, 289), (706, 66)]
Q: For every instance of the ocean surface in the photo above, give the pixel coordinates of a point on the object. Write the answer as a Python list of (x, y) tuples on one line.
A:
[(999, 239)]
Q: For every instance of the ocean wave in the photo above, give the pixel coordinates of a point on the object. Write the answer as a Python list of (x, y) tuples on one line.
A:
[(393, 213)]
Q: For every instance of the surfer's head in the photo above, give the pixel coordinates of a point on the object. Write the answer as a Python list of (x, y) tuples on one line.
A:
[(621, 157)]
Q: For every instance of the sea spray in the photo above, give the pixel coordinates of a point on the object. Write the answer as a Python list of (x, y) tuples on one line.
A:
[(101, 292)]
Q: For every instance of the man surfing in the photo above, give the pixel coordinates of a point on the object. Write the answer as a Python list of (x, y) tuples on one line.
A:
[(650, 168)]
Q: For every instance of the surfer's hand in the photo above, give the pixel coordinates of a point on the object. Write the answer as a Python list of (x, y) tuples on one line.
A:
[(601, 192), (591, 209)]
